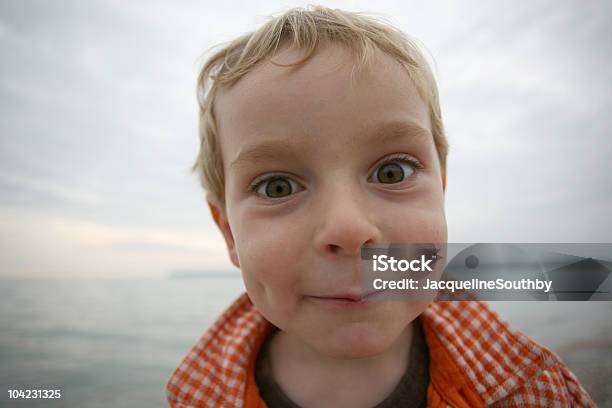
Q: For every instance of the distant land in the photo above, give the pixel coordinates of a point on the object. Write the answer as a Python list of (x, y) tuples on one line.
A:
[(204, 274)]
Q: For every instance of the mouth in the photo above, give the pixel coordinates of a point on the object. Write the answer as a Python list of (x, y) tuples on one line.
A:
[(348, 299)]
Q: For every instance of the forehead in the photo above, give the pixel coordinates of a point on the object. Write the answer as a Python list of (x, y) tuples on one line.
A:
[(325, 97)]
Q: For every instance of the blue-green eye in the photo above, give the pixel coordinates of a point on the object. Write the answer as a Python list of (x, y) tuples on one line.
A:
[(395, 170), (276, 187)]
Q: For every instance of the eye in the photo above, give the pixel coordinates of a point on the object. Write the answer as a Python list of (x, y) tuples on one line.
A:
[(395, 169), (276, 187)]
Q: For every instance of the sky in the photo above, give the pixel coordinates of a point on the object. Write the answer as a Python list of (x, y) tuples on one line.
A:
[(98, 126)]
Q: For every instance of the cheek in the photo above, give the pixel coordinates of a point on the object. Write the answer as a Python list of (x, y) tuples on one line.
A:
[(268, 258), (418, 224), (270, 274)]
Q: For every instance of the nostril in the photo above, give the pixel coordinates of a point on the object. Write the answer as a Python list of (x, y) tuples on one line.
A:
[(334, 248)]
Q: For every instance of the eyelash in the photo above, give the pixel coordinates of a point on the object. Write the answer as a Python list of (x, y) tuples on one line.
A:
[(414, 163)]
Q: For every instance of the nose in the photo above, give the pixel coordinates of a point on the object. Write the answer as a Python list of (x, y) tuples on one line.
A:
[(345, 223)]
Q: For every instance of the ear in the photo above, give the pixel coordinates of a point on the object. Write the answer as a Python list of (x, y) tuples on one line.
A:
[(220, 216)]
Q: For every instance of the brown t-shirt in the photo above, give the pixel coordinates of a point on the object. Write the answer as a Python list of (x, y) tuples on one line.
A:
[(410, 392)]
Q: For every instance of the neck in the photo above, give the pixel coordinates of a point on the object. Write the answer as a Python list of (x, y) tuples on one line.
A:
[(310, 378)]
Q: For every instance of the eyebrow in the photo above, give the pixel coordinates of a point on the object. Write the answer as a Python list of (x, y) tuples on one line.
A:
[(382, 134)]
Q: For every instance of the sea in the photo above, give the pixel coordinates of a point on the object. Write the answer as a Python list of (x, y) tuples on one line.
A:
[(114, 343)]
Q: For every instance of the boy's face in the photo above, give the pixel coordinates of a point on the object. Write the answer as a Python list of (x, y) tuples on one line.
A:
[(317, 164)]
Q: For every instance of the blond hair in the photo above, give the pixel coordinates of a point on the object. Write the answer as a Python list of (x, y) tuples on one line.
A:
[(305, 29)]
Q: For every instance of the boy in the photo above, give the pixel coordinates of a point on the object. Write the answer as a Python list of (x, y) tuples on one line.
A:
[(322, 132)]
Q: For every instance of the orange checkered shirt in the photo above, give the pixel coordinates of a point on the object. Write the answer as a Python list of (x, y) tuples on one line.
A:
[(476, 360)]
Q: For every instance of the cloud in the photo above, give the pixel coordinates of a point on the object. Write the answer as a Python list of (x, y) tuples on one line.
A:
[(99, 126), (37, 245)]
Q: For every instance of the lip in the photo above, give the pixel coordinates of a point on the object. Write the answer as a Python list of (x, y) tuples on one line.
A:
[(348, 299)]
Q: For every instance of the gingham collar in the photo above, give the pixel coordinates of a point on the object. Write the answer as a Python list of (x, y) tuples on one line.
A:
[(496, 360)]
